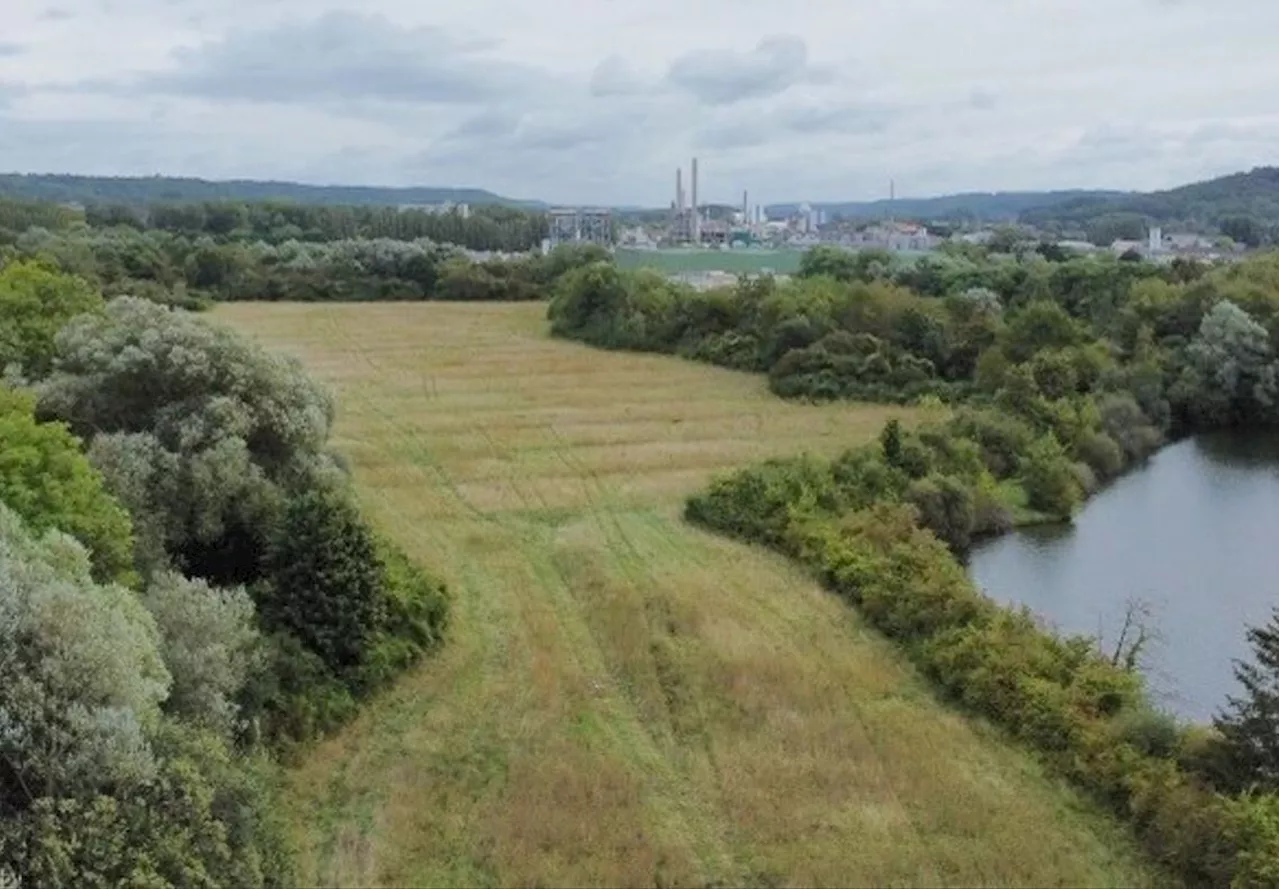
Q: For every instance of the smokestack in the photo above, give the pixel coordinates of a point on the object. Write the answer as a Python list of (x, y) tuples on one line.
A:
[(697, 218), (679, 189), (744, 205)]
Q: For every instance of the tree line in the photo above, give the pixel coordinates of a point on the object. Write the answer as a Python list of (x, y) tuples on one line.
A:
[(192, 271), (188, 590), (1059, 375), (492, 228)]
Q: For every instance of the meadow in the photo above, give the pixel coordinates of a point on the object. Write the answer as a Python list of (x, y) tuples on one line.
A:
[(623, 699)]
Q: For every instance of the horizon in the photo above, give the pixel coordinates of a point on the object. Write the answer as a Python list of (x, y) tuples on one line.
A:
[(883, 198)]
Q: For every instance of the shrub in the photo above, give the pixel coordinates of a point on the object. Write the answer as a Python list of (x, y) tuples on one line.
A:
[(1003, 439), (1125, 422), (1049, 479), (946, 507), (1101, 453), (1149, 731), (327, 586)]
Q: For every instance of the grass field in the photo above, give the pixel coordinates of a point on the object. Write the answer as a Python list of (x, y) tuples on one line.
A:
[(625, 700)]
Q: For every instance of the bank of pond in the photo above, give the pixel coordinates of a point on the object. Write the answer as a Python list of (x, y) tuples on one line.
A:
[(1184, 545)]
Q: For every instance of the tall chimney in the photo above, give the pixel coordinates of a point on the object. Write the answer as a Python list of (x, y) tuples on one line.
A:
[(697, 217), (744, 205), (679, 190)]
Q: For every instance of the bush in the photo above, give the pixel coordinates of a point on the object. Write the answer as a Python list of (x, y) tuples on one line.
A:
[(1049, 479), (1101, 453), (946, 507), (1003, 439), (327, 585)]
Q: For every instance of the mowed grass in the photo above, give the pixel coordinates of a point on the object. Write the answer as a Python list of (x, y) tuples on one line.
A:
[(625, 700)]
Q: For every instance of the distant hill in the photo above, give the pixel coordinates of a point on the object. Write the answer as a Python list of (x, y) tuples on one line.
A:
[(1240, 205), (1000, 206), (142, 190)]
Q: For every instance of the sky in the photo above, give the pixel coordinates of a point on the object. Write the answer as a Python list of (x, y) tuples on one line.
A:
[(601, 101)]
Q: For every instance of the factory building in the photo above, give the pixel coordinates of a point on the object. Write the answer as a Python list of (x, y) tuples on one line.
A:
[(579, 225)]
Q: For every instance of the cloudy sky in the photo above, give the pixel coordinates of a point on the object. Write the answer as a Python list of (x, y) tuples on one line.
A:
[(600, 101)]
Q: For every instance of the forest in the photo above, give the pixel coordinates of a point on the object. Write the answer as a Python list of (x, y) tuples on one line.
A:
[(1059, 376)]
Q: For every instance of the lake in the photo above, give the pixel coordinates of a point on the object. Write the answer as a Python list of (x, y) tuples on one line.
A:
[(1192, 535)]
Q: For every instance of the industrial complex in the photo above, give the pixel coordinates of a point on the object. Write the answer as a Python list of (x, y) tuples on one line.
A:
[(691, 227)]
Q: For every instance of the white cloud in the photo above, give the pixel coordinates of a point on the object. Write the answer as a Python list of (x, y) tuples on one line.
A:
[(600, 101)]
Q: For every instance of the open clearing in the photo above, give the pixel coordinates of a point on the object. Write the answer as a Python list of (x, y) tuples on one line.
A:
[(625, 700)]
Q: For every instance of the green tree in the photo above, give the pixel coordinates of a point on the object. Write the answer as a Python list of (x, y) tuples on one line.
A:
[(327, 582), (832, 262), (35, 302), (209, 642), (1040, 325), (1248, 751), (46, 479)]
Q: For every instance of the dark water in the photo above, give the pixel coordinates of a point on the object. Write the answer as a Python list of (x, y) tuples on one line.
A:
[(1193, 535)]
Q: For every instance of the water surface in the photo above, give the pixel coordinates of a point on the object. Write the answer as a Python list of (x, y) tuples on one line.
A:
[(1192, 535)]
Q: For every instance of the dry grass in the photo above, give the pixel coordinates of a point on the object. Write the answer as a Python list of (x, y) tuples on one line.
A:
[(625, 700)]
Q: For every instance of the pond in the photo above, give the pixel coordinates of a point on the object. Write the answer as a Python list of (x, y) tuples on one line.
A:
[(1191, 538)]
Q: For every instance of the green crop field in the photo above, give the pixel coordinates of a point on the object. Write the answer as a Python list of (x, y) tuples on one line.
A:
[(624, 700)]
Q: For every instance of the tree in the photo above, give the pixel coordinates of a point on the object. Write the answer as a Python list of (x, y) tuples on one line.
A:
[(1040, 325), (209, 642), (81, 678), (1248, 751), (1243, 229), (97, 786), (199, 432), (891, 441), (1231, 370), (327, 582), (35, 302), (47, 480)]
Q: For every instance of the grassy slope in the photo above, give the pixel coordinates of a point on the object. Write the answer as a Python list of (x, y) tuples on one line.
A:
[(625, 700)]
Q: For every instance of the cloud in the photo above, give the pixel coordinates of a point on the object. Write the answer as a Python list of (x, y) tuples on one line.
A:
[(721, 77), (982, 99), (11, 49), (614, 77), (341, 56), (601, 106)]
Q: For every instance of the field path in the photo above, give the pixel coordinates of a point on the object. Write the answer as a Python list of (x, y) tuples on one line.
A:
[(624, 700)]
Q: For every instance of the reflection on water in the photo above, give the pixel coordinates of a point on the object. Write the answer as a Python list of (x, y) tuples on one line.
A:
[(1192, 536)]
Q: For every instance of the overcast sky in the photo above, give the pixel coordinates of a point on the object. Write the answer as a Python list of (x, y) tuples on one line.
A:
[(600, 101)]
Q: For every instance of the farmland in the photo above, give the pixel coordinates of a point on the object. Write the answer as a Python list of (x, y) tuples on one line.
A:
[(623, 699)]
